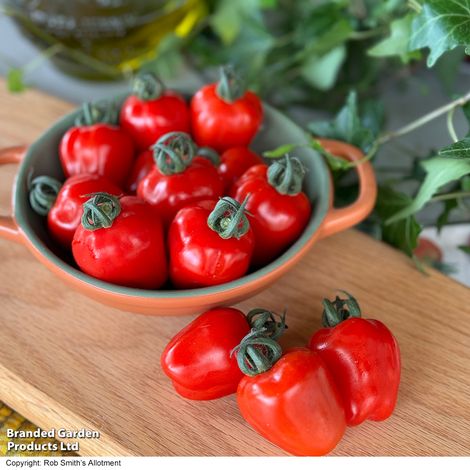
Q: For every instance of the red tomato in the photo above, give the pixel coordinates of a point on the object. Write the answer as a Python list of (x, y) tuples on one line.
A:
[(223, 115), (364, 360), (184, 180), (142, 167), (295, 404), (277, 218), (153, 111), (121, 241), (234, 162), (427, 250), (62, 203), (100, 149), (208, 248), (96, 148), (198, 358)]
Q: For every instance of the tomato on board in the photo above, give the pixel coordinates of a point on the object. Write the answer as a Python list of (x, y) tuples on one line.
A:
[(209, 244), (278, 209), (152, 111), (121, 241), (143, 165), (96, 148), (364, 359), (198, 359), (224, 115), (234, 162), (179, 177), (295, 404), (63, 202)]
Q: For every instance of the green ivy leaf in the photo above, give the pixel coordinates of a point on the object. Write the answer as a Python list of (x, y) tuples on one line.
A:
[(335, 163), (397, 43), (15, 80), (465, 249), (460, 149), (404, 233), (321, 71), (347, 126), (441, 26), (439, 172)]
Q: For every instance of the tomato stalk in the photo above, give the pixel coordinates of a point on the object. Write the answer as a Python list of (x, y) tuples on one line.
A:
[(43, 193), (229, 218), (257, 353), (100, 211), (339, 310), (264, 320), (93, 113), (174, 152), (286, 175), (147, 86), (229, 88)]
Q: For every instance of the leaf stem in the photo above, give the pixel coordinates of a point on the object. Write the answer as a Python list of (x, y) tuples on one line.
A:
[(415, 5), (385, 137), (454, 195), (370, 33), (450, 125)]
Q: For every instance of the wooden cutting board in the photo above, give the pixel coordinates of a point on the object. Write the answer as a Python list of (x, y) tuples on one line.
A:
[(68, 362)]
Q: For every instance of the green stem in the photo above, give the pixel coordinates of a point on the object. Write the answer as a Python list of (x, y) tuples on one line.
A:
[(453, 195), (413, 125), (229, 87), (415, 5), (264, 320), (229, 218), (174, 152), (100, 211), (450, 125), (361, 35), (286, 175), (257, 353), (147, 86), (339, 310), (43, 191), (38, 60)]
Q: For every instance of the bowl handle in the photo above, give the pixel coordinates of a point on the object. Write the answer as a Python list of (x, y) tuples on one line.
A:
[(8, 227), (337, 220)]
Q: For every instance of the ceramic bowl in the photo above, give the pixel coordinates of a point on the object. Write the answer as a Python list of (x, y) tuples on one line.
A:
[(41, 158)]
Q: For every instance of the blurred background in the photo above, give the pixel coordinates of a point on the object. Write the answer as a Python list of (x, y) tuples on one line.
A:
[(304, 57)]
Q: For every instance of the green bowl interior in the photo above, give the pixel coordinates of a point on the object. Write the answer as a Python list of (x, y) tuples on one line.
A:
[(42, 159)]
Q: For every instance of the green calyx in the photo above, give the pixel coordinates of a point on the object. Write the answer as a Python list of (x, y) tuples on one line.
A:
[(229, 88), (43, 191), (229, 218), (174, 152), (93, 113), (100, 211), (286, 175), (339, 310), (264, 320), (257, 353), (147, 86)]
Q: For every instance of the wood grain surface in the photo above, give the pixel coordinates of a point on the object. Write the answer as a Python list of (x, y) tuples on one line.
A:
[(66, 361)]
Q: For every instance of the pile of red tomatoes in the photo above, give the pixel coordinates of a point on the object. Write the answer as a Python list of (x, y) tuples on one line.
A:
[(164, 191)]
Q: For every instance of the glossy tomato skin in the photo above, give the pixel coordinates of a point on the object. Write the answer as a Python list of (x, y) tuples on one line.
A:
[(198, 359), (169, 193), (234, 162), (99, 149), (143, 165), (65, 215), (295, 404), (199, 256), (147, 121), (277, 219), (364, 359), (129, 253), (221, 125)]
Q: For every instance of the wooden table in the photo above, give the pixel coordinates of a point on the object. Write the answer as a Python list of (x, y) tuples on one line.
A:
[(66, 361)]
